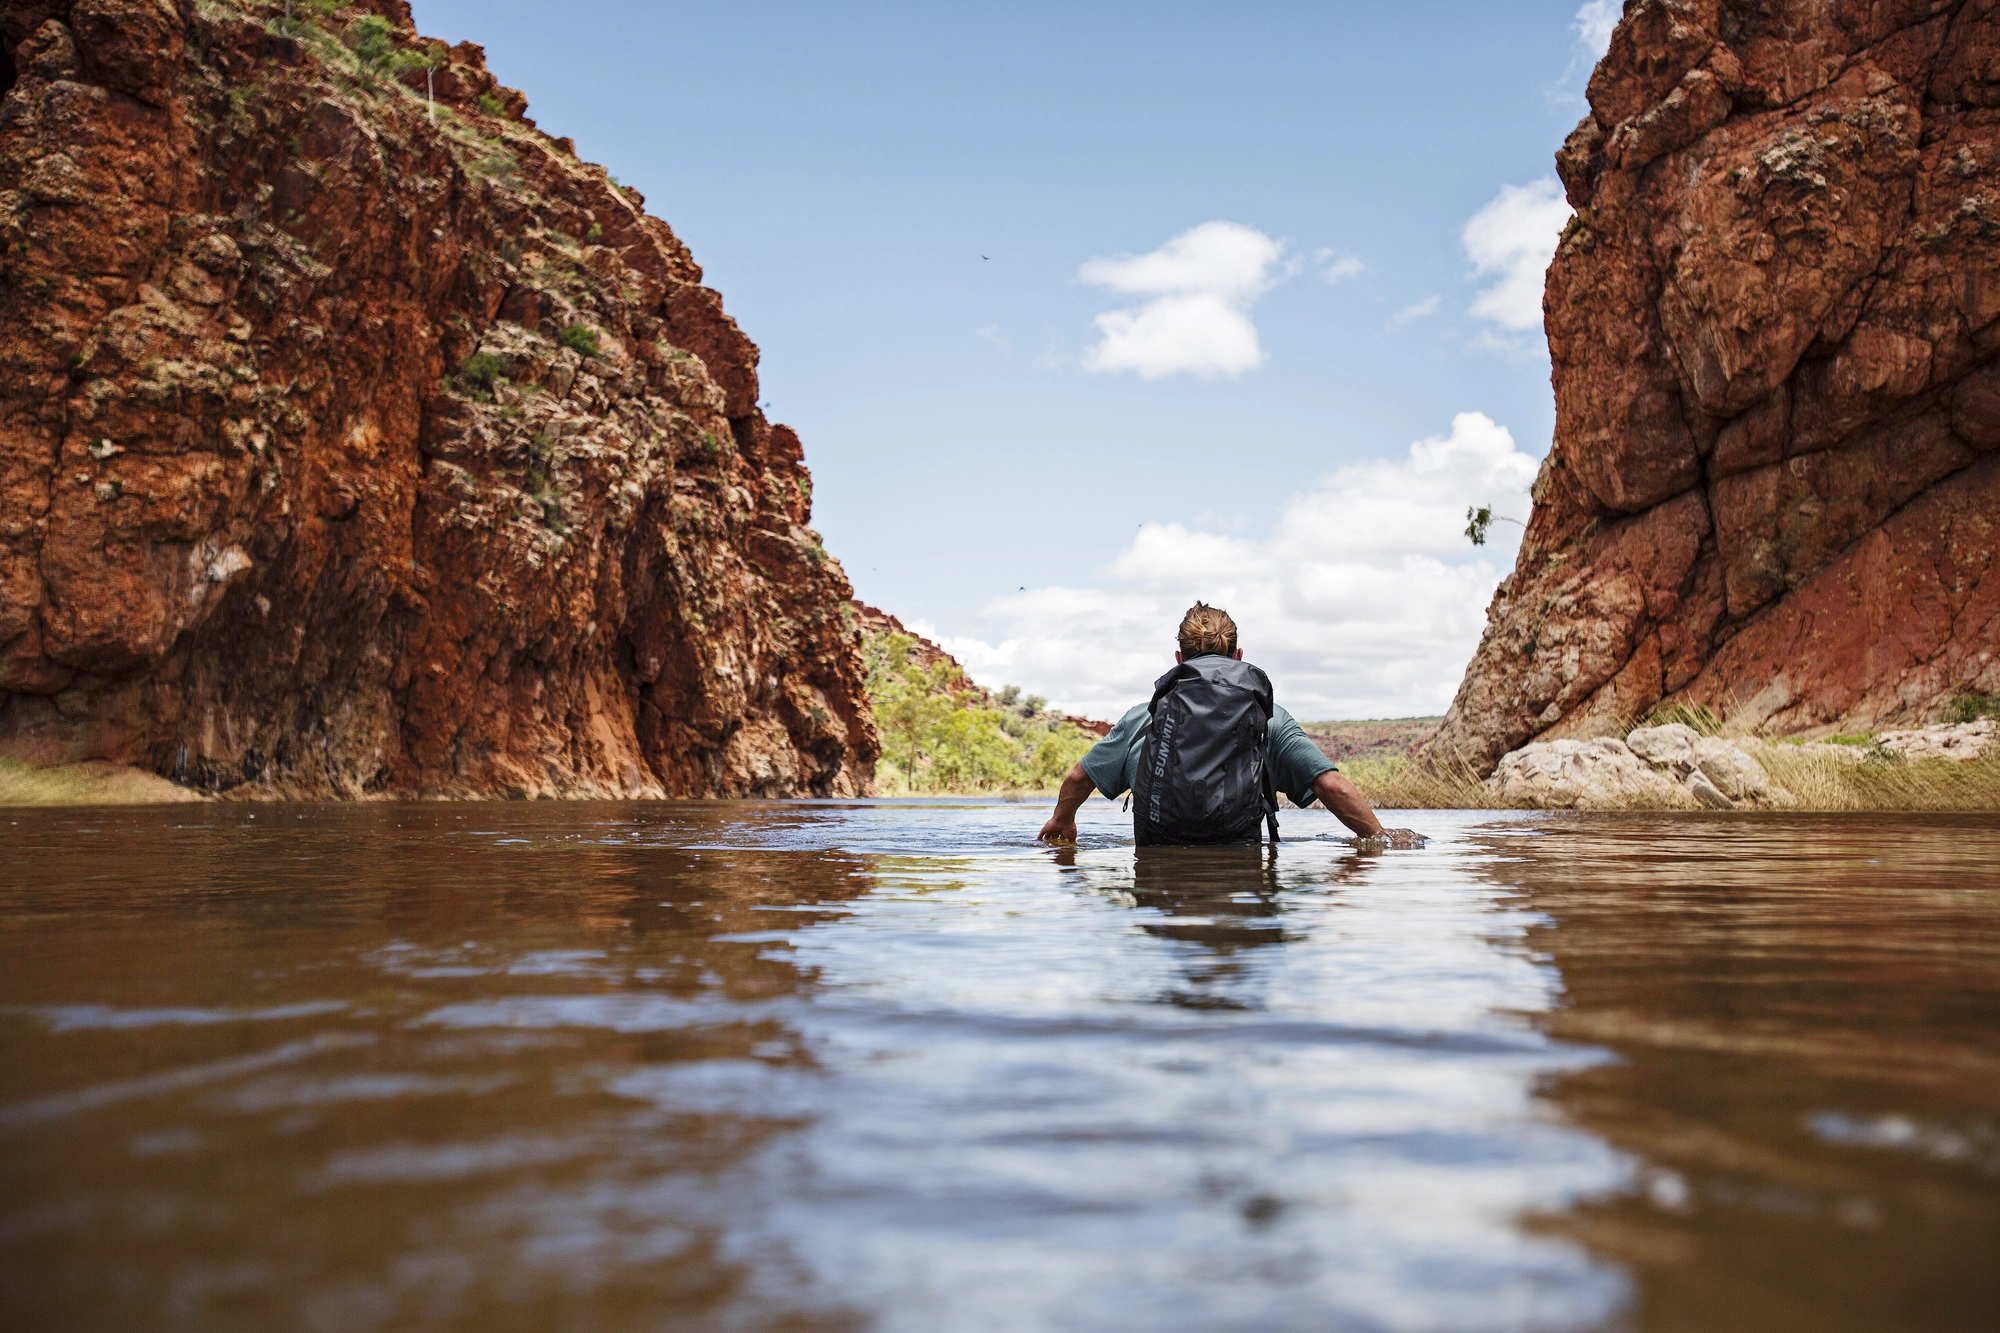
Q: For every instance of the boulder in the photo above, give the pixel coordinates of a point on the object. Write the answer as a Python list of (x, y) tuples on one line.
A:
[(1671, 767), (1599, 774), (1726, 765)]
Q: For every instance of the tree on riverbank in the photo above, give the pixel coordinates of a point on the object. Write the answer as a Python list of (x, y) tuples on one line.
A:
[(942, 733)]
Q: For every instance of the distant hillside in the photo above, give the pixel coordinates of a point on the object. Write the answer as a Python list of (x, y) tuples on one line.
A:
[(946, 734), (1377, 738), (927, 655)]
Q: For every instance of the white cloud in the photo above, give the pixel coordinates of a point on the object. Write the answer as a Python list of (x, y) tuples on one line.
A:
[(1338, 265), (1415, 310), (1591, 29), (1202, 284), (1593, 25), (1364, 599), (1512, 239)]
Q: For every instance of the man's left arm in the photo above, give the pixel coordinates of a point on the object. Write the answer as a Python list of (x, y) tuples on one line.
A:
[(1101, 769)]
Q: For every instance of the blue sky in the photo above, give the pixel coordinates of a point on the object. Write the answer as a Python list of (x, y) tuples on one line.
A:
[(1041, 454)]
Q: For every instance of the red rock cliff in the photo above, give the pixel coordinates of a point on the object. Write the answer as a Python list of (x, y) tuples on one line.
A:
[(1773, 322), (349, 446)]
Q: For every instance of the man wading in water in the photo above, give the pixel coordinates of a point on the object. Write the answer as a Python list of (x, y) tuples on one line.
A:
[(1205, 759)]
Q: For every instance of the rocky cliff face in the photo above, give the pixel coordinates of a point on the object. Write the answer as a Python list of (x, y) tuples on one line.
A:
[(351, 444), (1773, 323)]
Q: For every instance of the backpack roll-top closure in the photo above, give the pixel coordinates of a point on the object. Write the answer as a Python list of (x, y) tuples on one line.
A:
[(1205, 766), (1214, 667)]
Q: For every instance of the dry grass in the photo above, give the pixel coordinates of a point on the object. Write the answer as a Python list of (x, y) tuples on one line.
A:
[(1822, 783), (1389, 783), (1393, 782), (85, 784)]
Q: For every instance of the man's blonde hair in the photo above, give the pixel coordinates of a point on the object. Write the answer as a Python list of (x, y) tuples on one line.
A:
[(1207, 629)]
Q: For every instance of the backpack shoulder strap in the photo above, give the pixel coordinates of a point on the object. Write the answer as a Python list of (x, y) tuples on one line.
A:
[(1270, 802), (1181, 672)]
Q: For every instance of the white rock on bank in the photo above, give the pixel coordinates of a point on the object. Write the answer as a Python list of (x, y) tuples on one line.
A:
[(1601, 774), (1959, 741), (1672, 767), (1675, 767), (1667, 746), (1727, 765)]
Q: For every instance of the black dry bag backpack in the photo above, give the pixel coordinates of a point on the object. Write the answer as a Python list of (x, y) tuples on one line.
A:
[(1205, 766)]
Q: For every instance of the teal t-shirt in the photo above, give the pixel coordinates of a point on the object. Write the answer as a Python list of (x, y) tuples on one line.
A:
[(1113, 763)]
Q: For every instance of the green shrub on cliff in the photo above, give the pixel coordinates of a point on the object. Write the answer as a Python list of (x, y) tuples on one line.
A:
[(1972, 707), (301, 19), (498, 164), (941, 733), (370, 40), (477, 372), (373, 42), (581, 339)]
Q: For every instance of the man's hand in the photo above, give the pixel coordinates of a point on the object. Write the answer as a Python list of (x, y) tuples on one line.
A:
[(1057, 829), (1400, 839), (1076, 789)]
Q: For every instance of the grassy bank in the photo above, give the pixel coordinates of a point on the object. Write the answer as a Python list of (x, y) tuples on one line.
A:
[(1393, 782), (1820, 782), (86, 784)]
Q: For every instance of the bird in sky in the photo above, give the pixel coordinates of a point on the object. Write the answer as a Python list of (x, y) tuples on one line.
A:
[(986, 256)]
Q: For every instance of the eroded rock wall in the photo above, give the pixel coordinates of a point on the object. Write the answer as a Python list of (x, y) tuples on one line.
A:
[(303, 486), (1773, 323)]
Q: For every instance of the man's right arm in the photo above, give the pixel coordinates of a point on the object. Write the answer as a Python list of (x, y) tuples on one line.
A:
[(1351, 808), (1347, 803), (1076, 789)]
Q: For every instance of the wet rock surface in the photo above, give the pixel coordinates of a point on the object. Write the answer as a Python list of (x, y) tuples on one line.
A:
[(351, 444), (1773, 326)]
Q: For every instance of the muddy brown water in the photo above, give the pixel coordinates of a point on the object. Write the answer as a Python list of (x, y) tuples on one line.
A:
[(892, 1066)]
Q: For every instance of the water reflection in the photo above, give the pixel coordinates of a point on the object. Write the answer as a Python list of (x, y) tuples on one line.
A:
[(1226, 901), (1807, 1013), (461, 1139), (1050, 1114), (896, 1067)]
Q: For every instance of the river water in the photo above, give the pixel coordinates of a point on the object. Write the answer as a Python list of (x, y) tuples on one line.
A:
[(892, 1066)]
